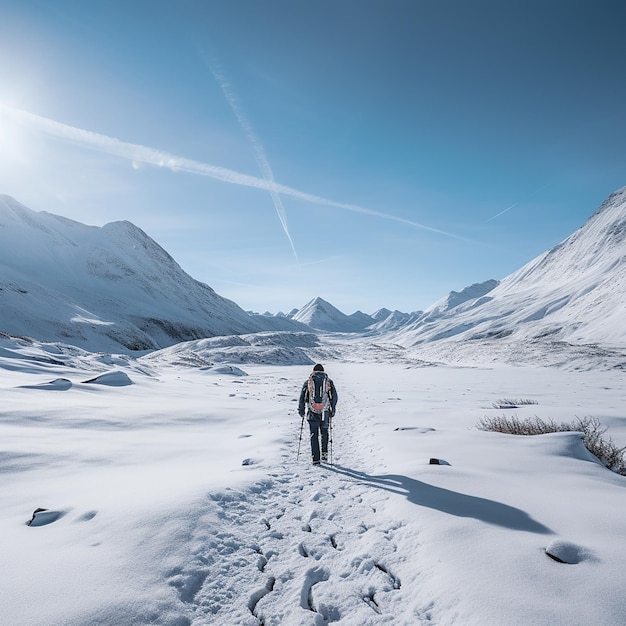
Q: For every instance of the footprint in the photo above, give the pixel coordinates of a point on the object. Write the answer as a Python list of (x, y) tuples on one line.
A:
[(370, 600), (188, 584), (311, 578), (261, 593), (261, 563), (395, 581), (86, 517)]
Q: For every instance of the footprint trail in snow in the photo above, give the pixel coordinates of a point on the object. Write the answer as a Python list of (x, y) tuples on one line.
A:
[(307, 545)]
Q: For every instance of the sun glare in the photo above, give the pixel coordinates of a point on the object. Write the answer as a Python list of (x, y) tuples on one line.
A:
[(12, 139), (4, 132)]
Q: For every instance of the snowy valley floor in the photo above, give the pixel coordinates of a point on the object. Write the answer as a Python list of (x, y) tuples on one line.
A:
[(178, 499)]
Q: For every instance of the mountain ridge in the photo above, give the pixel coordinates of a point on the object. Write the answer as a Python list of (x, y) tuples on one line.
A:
[(106, 288), (573, 292), (113, 287), (321, 315)]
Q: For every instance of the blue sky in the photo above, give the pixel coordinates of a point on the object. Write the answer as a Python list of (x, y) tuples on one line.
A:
[(372, 153)]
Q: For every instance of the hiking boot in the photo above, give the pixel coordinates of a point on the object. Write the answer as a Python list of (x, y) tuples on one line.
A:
[(316, 461)]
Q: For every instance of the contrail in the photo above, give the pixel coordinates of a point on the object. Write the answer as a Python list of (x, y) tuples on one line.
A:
[(144, 154), (259, 152), (503, 212), (532, 195)]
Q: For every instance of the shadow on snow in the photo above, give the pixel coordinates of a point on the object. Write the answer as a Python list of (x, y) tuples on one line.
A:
[(447, 501)]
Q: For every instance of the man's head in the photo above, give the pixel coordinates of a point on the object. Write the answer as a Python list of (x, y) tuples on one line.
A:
[(318, 368)]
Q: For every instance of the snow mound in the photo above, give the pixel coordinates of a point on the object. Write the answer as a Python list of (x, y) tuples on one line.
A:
[(58, 384), (111, 379), (23, 354), (229, 370), (567, 552)]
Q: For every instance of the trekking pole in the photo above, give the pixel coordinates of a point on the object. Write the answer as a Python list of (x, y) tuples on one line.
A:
[(300, 440), (331, 441)]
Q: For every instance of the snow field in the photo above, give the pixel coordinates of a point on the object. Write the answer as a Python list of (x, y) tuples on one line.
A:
[(503, 498), (181, 501)]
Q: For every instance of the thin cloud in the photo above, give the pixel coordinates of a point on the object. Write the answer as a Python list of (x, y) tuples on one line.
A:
[(259, 152), (144, 154)]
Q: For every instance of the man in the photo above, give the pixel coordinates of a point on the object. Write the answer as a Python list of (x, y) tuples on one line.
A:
[(319, 396)]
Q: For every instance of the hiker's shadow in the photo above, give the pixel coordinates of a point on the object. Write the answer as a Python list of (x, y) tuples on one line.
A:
[(447, 501)]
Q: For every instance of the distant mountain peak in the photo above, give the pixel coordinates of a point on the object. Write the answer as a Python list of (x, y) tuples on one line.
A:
[(321, 315), (381, 314)]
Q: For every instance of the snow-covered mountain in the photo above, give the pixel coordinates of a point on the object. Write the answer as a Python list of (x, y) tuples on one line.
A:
[(113, 288), (107, 288), (322, 315), (456, 298), (575, 293), (395, 320), (381, 314)]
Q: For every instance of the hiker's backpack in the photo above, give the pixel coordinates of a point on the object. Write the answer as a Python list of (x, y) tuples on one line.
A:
[(319, 392)]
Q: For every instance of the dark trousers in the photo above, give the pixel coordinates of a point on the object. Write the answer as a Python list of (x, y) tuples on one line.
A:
[(319, 425)]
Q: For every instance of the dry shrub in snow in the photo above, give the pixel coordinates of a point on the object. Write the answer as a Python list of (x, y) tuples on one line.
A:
[(508, 403), (595, 438)]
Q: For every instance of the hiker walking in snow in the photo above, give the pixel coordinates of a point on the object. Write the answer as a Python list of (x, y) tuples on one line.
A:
[(319, 396)]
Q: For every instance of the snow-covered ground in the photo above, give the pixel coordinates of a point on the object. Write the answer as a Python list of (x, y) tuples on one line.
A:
[(175, 496)]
